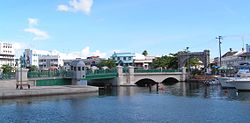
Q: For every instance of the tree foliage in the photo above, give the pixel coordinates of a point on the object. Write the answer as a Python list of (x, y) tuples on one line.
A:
[(192, 62), (167, 61), (145, 53), (109, 63), (33, 68), (6, 68)]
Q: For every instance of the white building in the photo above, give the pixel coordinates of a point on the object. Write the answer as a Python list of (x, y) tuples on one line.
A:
[(6, 54), (50, 62), (31, 56), (143, 62), (236, 58)]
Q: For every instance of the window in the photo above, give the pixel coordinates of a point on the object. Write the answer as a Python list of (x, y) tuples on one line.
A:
[(118, 58), (79, 68), (124, 58), (82, 68), (71, 67), (129, 58), (74, 68)]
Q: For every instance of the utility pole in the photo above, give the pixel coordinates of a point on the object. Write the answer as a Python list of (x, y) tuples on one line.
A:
[(219, 39)]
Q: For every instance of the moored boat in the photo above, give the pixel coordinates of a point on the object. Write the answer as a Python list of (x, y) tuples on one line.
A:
[(226, 82), (243, 82)]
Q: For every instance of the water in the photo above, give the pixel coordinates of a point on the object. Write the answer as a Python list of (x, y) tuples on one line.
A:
[(182, 102)]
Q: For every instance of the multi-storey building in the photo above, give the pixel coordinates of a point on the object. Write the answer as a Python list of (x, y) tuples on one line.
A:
[(31, 56), (236, 58), (51, 62), (143, 62), (123, 59), (6, 54)]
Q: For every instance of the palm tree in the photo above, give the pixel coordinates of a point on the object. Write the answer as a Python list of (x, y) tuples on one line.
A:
[(145, 53)]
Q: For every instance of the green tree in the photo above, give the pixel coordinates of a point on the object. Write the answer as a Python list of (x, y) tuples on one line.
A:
[(193, 62), (33, 68), (145, 53), (6, 68), (109, 63), (167, 61)]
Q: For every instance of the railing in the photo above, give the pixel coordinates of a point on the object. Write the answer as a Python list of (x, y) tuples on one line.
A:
[(43, 74), (94, 72), (6, 76), (101, 74), (154, 70), (125, 70)]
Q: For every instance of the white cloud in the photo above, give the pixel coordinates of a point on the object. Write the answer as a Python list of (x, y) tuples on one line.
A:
[(77, 5), (62, 8), (19, 48), (98, 53), (32, 21), (85, 52), (38, 34)]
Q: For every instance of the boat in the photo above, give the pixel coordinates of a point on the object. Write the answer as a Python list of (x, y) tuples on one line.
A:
[(226, 82), (230, 82), (214, 81), (242, 84)]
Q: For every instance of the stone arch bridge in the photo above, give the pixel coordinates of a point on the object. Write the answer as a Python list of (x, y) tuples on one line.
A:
[(131, 76)]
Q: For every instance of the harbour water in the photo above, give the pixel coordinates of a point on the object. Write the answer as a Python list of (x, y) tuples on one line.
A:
[(178, 103)]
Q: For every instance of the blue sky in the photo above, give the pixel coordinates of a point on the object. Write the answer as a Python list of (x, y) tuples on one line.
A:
[(101, 26)]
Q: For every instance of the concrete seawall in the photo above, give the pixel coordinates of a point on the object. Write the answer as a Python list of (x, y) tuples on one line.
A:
[(8, 90)]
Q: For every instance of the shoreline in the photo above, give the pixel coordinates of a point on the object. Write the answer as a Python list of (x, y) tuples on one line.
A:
[(35, 91)]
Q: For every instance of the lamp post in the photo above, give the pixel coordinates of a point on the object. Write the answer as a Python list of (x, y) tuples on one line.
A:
[(188, 59), (219, 39), (21, 65)]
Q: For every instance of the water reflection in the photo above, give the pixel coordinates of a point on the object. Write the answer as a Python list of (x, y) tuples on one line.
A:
[(181, 89), (56, 98), (181, 102)]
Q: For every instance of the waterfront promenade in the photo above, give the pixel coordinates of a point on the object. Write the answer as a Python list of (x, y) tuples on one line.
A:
[(8, 90)]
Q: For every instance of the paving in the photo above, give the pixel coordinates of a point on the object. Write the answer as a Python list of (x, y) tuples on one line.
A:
[(8, 90)]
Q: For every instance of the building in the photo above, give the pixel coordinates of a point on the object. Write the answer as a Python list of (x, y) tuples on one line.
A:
[(123, 59), (31, 56), (77, 67), (235, 58), (247, 48), (144, 62), (7, 54), (92, 61), (50, 62), (66, 64)]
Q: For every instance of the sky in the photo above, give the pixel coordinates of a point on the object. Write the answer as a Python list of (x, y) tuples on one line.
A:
[(101, 27)]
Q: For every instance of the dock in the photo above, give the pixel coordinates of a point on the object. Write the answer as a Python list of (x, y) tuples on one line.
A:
[(8, 90)]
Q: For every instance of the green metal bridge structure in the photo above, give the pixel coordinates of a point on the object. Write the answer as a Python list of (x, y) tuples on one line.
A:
[(120, 75), (113, 73)]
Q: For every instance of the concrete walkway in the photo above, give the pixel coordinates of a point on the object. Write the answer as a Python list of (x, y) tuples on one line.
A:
[(8, 90)]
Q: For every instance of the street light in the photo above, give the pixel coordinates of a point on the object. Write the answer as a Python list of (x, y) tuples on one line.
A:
[(219, 39), (21, 65)]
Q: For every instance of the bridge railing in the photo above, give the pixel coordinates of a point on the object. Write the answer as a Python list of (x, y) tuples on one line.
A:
[(98, 74), (7, 76), (44, 74), (155, 70), (106, 71)]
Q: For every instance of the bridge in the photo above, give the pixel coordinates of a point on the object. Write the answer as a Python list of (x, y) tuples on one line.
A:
[(118, 76), (131, 76)]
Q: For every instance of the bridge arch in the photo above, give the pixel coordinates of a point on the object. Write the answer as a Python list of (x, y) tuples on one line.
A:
[(170, 81), (202, 56), (145, 82)]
